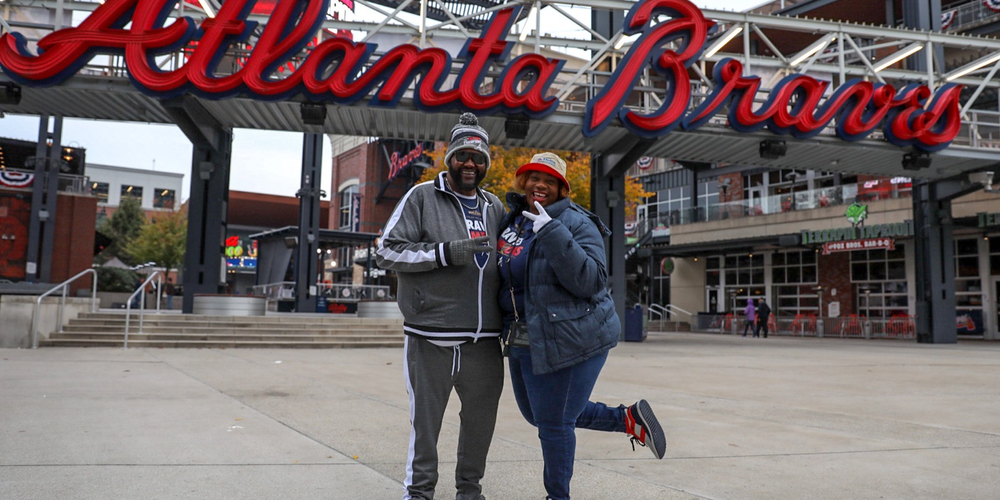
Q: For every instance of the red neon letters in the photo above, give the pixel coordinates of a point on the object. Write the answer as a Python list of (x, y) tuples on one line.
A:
[(338, 70), (330, 71)]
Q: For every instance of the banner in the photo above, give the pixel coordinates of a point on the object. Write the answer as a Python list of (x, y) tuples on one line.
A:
[(852, 245)]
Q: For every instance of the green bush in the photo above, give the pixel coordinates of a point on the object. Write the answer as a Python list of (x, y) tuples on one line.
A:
[(116, 279)]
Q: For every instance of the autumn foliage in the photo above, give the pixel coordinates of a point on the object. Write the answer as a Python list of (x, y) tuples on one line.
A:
[(505, 162)]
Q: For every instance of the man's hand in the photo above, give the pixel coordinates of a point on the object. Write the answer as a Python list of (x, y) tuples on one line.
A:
[(540, 220), (461, 252)]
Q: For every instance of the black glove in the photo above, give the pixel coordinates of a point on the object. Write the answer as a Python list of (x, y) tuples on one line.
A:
[(461, 252)]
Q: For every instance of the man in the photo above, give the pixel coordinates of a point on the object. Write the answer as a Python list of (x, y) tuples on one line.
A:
[(441, 241), (763, 314)]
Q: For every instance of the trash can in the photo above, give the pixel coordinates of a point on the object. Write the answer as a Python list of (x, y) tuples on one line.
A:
[(635, 330)]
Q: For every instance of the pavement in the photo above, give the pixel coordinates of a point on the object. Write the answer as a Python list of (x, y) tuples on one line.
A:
[(777, 418)]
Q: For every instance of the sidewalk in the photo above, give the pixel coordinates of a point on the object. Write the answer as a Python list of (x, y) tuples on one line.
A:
[(777, 418)]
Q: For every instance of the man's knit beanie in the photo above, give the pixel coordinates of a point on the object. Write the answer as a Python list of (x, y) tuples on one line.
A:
[(468, 135)]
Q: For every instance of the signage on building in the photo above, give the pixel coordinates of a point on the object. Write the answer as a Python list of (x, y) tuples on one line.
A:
[(912, 116), (877, 231), (988, 219), (240, 255), (16, 179), (356, 213), (400, 157), (969, 322), (851, 245)]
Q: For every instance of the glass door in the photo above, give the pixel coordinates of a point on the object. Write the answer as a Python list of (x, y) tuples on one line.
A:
[(755, 201)]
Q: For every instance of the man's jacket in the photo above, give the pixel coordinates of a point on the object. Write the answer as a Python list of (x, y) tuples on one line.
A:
[(441, 301)]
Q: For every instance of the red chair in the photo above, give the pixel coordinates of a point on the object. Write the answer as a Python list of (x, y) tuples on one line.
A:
[(852, 326), (900, 325)]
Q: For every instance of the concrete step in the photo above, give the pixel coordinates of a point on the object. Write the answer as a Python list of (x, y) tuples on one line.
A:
[(107, 329), (172, 336), (167, 323), (195, 344), (669, 326), (74, 327), (325, 319)]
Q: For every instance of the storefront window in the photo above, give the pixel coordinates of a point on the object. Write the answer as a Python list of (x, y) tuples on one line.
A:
[(744, 279), (968, 286), (879, 277), (797, 270)]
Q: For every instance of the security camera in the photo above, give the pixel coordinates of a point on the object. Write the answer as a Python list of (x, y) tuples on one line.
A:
[(984, 178)]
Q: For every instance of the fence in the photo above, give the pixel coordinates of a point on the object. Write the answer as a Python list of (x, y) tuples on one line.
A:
[(809, 325)]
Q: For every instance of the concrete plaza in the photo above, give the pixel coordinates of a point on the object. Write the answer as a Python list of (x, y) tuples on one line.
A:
[(777, 418)]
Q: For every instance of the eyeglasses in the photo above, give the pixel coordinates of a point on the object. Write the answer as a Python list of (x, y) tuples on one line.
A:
[(477, 158)]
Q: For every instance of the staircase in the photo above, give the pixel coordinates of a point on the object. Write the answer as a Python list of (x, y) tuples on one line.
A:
[(669, 326), (107, 329)]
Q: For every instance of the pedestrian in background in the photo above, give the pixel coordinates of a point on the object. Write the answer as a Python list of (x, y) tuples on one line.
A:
[(763, 315), (750, 318), (441, 241)]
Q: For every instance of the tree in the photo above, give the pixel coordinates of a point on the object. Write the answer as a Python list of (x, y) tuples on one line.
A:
[(505, 162), (123, 227), (162, 241)]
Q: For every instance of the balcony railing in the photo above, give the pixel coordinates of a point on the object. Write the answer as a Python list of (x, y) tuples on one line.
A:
[(970, 15), (661, 221)]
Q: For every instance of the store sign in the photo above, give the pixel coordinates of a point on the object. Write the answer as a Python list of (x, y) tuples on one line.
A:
[(340, 70), (399, 161), (988, 220), (969, 322), (878, 231), (851, 245), (239, 255)]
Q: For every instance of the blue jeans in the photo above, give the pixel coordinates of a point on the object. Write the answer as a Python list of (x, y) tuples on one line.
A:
[(557, 404)]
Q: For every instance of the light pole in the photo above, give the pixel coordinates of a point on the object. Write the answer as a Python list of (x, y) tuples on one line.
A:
[(819, 317)]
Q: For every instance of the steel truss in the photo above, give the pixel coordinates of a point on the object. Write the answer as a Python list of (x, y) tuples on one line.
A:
[(833, 51)]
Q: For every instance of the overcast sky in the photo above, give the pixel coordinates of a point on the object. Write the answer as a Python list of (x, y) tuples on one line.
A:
[(263, 162)]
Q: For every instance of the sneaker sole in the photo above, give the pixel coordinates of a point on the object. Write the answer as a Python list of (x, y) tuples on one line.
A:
[(652, 426)]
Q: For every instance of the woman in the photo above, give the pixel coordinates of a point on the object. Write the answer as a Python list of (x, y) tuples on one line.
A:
[(554, 279)]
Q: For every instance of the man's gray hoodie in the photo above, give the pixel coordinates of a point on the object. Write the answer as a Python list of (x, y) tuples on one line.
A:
[(440, 301)]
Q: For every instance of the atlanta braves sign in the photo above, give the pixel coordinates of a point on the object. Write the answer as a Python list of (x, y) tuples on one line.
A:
[(341, 71)]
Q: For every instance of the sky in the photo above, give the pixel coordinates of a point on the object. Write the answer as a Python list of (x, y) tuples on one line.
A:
[(263, 161)]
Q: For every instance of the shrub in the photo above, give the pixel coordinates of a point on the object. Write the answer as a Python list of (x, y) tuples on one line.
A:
[(116, 279)]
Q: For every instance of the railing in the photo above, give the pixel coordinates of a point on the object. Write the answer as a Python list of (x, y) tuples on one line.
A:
[(668, 310), (857, 326), (141, 293), (62, 303), (971, 14), (285, 290), (789, 202)]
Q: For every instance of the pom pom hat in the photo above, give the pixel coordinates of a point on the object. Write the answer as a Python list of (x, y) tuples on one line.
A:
[(549, 163), (468, 135)]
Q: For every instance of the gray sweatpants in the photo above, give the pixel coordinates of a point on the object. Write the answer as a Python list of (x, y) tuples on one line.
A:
[(475, 371)]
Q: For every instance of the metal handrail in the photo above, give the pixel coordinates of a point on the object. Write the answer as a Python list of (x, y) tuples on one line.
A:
[(62, 303), (669, 309), (141, 292)]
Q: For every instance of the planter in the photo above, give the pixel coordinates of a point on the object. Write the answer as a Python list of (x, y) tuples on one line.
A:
[(379, 309), (229, 305)]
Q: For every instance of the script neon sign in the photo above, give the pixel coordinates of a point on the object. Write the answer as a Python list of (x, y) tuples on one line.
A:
[(339, 70)]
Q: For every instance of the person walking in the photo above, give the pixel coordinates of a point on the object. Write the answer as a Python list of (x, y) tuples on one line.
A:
[(441, 242), (554, 279), (750, 318), (763, 315), (168, 291)]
